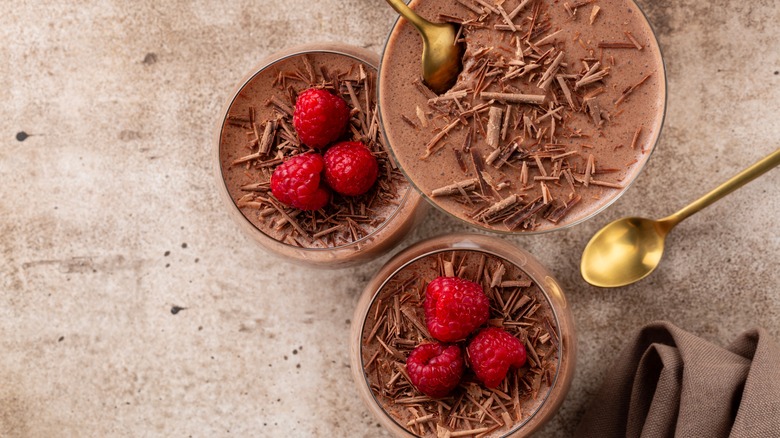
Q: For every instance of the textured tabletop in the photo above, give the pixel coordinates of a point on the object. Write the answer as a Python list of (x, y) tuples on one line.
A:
[(131, 305)]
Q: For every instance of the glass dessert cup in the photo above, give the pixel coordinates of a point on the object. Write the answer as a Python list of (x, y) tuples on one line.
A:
[(400, 216), (364, 326), (399, 43)]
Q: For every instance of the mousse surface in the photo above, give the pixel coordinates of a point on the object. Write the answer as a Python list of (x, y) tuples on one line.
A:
[(555, 112)]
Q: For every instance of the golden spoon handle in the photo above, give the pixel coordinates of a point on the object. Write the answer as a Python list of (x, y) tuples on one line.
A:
[(764, 165), (419, 22)]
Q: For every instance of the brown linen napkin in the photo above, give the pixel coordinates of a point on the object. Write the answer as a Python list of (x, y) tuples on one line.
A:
[(668, 382)]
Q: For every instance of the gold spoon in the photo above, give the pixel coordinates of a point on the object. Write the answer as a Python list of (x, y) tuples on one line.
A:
[(441, 57), (629, 249)]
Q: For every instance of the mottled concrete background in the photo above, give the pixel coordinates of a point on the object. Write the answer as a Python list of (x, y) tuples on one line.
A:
[(111, 221)]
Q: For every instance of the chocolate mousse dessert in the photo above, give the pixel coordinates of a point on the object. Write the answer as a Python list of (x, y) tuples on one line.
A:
[(554, 114), (463, 343), (303, 162)]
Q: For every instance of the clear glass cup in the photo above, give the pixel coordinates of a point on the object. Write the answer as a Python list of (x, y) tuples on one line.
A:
[(409, 212), (593, 210), (510, 254)]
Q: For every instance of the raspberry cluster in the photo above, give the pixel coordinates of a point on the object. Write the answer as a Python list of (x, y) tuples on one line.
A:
[(348, 168), (454, 310)]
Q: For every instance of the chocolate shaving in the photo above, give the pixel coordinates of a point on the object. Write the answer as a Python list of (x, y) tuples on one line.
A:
[(506, 152), (355, 101), (548, 39), (616, 45), (607, 184), (450, 95), (498, 275), (524, 174), (327, 231), (564, 155), (636, 137), (471, 6), (309, 69), (487, 6), (275, 101), (594, 13), (566, 91), (430, 148), (516, 283), (590, 168), (515, 97), (459, 159), (518, 9), (506, 18), (492, 157), (549, 75), (268, 137), (595, 111), (505, 123), (525, 213), (479, 167), (540, 165), (546, 196), (288, 217), (424, 90), (498, 207), (494, 126), (633, 40), (409, 121), (581, 3), (455, 188), (631, 89), (393, 352), (421, 116), (559, 212), (593, 75)]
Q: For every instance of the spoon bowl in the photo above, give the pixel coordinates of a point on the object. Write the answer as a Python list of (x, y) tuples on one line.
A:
[(441, 57), (623, 252), (442, 54)]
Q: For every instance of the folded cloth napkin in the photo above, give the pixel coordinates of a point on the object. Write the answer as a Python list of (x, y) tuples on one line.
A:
[(668, 382)]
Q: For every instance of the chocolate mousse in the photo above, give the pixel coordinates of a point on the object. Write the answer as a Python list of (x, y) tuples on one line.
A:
[(258, 134), (395, 324), (555, 113)]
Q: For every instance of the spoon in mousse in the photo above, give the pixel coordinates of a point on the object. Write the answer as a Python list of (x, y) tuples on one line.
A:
[(629, 249), (441, 57)]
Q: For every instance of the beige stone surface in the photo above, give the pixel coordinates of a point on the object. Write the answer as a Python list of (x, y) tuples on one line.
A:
[(110, 218)]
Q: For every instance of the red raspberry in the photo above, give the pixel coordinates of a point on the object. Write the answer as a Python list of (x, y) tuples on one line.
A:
[(492, 352), (296, 182), (320, 117), (435, 369), (350, 169), (454, 308)]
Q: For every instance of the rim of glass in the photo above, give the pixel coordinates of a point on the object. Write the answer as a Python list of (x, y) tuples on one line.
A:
[(592, 214), (406, 264), (267, 63)]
